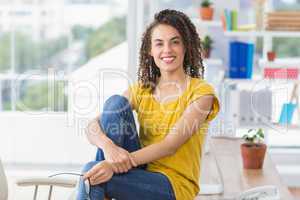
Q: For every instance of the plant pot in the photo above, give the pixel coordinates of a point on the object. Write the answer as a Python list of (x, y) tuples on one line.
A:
[(253, 155), (271, 55), (206, 13), (206, 53)]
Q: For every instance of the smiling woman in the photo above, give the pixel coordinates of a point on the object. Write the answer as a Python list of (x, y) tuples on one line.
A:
[(167, 48), (174, 106)]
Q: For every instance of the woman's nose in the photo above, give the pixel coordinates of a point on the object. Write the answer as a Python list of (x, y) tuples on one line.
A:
[(167, 48)]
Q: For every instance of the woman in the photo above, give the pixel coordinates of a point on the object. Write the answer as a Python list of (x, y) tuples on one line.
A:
[(174, 106)]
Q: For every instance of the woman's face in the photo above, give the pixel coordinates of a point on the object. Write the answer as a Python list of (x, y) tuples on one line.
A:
[(167, 48)]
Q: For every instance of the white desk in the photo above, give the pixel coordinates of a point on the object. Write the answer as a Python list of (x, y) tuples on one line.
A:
[(236, 179)]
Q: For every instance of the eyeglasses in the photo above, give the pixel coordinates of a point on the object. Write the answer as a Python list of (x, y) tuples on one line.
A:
[(87, 183)]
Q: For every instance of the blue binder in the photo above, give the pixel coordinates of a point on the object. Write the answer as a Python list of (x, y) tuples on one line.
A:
[(234, 52), (287, 112), (249, 63)]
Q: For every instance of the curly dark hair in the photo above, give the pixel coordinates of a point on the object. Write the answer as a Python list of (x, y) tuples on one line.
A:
[(148, 72)]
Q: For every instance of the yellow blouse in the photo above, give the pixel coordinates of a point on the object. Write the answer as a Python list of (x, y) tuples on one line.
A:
[(156, 119)]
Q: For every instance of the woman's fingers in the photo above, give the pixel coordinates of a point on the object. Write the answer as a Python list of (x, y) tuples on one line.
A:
[(97, 177), (120, 159), (103, 174), (91, 172), (115, 169), (126, 162), (132, 161)]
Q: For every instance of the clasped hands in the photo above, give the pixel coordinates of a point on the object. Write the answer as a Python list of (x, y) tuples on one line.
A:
[(117, 160)]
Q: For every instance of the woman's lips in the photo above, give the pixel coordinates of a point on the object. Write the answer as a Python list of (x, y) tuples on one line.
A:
[(168, 60)]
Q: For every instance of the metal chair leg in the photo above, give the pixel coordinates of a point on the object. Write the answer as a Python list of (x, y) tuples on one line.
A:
[(50, 192), (35, 192)]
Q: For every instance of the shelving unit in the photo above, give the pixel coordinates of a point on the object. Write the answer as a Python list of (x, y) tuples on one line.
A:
[(203, 23), (257, 79), (266, 35), (280, 62), (209, 24), (213, 61), (267, 39), (290, 127), (290, 34)]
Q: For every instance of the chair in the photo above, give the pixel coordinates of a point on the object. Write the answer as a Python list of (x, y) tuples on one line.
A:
[(36, 182), (3, 184)]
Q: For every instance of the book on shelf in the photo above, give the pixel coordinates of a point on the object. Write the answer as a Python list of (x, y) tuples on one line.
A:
[(234, 20), (246, 27), (241, 59), (234, 52), (283, 21), (287, 113), (229, 20), (232, 110), (281, 73), (246, 107), (262, 106)]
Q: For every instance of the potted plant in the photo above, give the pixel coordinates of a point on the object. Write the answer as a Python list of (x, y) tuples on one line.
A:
[(253, 149), (271, 55), (206, 11), (206, 45)]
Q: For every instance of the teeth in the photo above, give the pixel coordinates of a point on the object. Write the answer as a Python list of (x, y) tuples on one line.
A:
[(168, 59)]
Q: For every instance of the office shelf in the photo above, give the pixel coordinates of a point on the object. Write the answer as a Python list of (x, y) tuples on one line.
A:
[(257, 79), (287, 126), (280, 62), (212, 61), (204, 23), (271, 126), (291, 34)]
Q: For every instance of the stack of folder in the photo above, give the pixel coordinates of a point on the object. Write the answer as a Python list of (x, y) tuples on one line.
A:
[(248, 108), (283, 21), (241, 59), (230, 20), (281, 73)]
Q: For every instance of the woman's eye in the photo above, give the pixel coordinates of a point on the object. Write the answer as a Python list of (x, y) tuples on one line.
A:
[(176, 42), (158, 44)]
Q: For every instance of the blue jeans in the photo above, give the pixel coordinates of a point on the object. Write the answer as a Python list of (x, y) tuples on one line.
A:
[(117, 122)]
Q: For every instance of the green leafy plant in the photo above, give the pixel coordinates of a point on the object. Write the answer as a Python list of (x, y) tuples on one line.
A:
[(206, 3), (207, 43), (254, 136)]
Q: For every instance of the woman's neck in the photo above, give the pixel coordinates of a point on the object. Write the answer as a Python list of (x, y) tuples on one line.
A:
[(175, 77), (179, 80)]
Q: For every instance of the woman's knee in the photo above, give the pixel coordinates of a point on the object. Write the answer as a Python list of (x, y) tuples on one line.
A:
[(89, 166), (116, 103), (115, 114)]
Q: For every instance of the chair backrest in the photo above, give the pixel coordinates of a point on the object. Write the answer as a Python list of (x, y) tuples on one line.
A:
[(3, 184)]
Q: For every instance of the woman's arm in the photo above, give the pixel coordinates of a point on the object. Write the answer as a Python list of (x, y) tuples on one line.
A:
[(191, 120), (95, 134), (120, 158)]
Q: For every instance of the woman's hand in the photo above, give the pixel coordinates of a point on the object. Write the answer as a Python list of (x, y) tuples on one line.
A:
[(100, 173), (120, 159)]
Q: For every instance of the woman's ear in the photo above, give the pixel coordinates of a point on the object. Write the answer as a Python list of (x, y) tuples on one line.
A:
[(150, 53)]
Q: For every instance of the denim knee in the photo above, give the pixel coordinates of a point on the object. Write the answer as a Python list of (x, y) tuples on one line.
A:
[(116, 112), (116, 103), (89, 166)]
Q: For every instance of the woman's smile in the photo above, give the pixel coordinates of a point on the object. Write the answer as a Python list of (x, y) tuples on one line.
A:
[(168, 59)]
